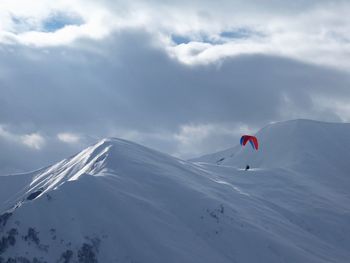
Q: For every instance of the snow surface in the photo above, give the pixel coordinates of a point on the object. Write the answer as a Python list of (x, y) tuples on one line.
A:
[(118, 201)]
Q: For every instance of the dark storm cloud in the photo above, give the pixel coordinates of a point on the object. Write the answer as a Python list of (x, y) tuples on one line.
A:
[(126, 82), (129, 82)]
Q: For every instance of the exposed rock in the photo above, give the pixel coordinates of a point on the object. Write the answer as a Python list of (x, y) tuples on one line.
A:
[(4, 218), (66, 256), (23, 260), (86, 254), (32, 235), (9, 240), (34, 195)]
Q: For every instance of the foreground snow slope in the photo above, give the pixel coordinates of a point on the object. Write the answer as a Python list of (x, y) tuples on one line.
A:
[(118, 201)]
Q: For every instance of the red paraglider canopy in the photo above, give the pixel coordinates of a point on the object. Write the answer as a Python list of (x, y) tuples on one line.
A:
[(252, 139)]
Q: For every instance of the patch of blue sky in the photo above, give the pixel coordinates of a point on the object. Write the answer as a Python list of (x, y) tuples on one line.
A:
[(178, 39), (181, 39), (59, 21), (240, 33), (224, 36)]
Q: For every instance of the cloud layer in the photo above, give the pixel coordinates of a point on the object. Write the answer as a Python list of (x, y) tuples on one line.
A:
[(185, 78)]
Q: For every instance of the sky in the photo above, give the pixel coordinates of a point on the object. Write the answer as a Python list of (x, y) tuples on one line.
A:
[(183, 77)]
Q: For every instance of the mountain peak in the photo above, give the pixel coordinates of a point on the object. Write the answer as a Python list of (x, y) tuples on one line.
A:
[(109, 155), (92, 160)]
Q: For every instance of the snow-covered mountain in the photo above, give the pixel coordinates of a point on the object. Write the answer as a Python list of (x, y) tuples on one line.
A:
[(287, 144), (118, 201), (318, 149)]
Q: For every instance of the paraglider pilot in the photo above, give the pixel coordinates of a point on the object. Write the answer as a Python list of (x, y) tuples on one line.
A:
[(253, 142)]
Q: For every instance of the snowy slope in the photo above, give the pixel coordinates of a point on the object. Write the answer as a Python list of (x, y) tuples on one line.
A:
[(118, 201), (319, 150), (218, 157), (11, 187)]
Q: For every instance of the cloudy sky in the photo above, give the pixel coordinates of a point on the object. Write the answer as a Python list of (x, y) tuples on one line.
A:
[(184, 77)]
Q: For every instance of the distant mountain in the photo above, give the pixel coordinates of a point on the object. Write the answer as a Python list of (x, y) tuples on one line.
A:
[(118, 201)]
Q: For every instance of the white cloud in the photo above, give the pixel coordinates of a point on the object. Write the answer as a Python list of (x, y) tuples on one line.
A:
[(194, 140), (18, 15), (311, 31), (338, 106), (190, 134), (68, 137), (34, 140)]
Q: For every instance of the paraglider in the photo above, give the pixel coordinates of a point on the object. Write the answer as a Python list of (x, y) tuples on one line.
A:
[(252, 139), (253, 142)]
